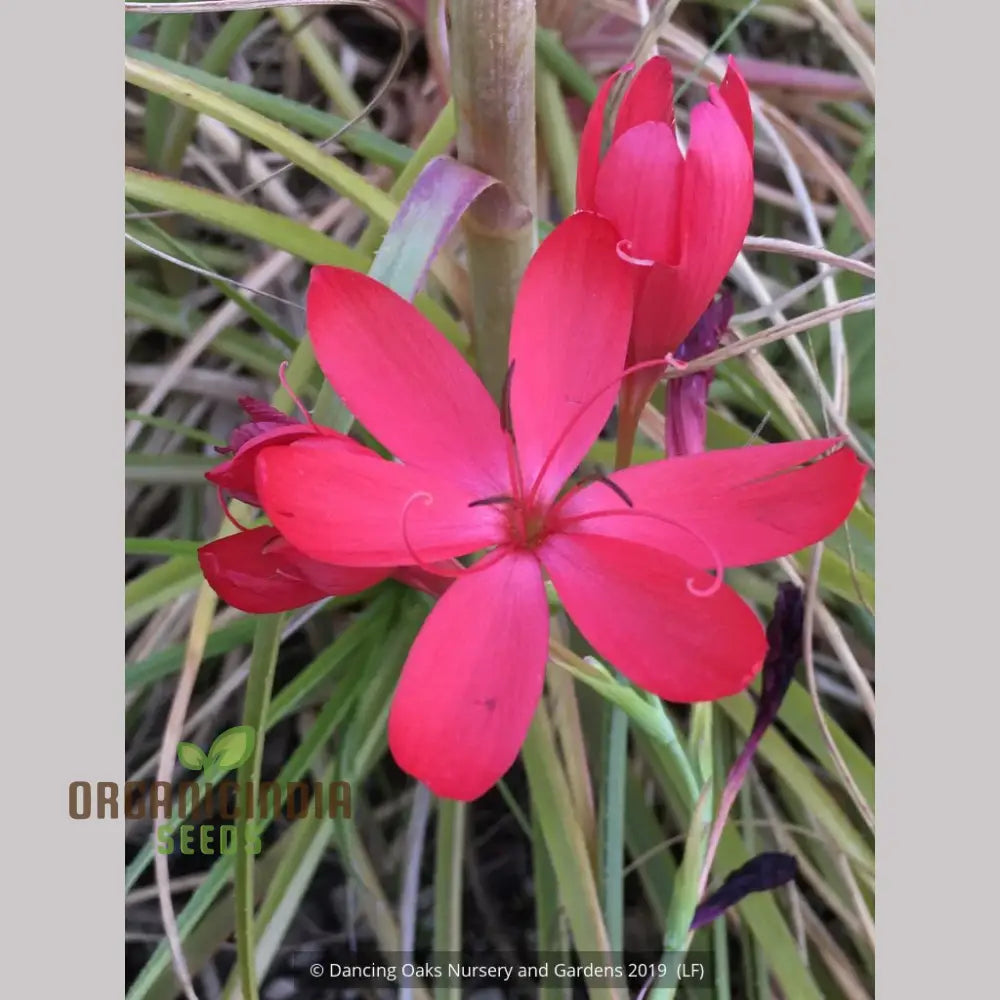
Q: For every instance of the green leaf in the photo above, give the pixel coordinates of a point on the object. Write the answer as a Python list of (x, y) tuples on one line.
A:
[(331, 171), (191, 756), (310, 121), (134, 23), (232, 747)]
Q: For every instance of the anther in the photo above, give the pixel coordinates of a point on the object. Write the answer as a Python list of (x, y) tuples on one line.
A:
[(506, 421), (487, 501), (600, 477)]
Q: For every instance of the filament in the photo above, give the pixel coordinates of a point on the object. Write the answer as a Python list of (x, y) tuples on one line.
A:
[(282, 368), (489, 501), (436, 569), (225, 510), (718, 566), (623, 250), (506, 420), (642, 365)]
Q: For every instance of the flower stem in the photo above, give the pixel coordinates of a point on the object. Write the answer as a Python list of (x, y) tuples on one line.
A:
[(625, 439), (493, 82), (448, 886)]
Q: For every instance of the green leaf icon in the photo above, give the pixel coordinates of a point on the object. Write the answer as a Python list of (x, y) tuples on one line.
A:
[(233, 747), (191, 756)]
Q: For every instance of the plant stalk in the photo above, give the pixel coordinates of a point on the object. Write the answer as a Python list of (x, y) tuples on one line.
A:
[(493, 84)]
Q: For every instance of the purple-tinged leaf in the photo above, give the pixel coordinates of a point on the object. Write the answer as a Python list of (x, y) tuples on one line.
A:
[(766, 871), (425, 220), (784, 650)]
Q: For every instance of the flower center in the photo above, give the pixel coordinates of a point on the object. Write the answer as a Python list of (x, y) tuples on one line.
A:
[(526, 525)]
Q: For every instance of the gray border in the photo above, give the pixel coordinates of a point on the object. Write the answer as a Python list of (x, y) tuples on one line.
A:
[(63, 498), (63, 887), (936, 330)]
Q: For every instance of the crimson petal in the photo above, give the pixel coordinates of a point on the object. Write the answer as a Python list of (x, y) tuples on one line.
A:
[(258, 572), (568, 339), (352, 509), (733, 90), (735, 506), (649, 98), (404, 381), (590, 147), (716, 205), (236, 476), (472, 680), (638, 608), (639, 188)]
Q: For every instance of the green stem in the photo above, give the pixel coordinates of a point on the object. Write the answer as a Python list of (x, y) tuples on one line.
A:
[(255, 706), (722, 754), (493, 81), (448, 886), (612, 826)]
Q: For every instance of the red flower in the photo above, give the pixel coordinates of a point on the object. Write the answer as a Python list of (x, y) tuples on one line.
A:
[(266, 428), (627, 554), (682, 217)]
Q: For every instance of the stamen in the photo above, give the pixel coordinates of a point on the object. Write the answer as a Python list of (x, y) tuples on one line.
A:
[(623, 249), (716, 584), (507, 425), (486, 501), (553, 451), (506, 421), (282, 368), (605, 480), (226, 511), (437, 570), (600, 476), (671, 362)]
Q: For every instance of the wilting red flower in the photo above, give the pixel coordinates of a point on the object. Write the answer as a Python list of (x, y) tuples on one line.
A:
[(683, 218), (686, 412), (257, 570), (627, 554)]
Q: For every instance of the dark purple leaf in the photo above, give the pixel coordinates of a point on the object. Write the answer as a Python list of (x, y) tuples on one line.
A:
[(766, 871)]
